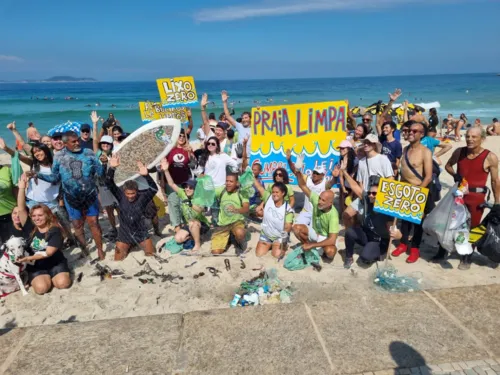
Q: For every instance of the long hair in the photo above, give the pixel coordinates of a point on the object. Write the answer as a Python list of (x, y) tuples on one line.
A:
[(117, 128), (48, 156), (205, 154), (51, 218), (286, 179), (365, 130)]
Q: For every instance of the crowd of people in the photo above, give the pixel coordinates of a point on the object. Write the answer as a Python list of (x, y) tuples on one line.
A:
[(69, 182)]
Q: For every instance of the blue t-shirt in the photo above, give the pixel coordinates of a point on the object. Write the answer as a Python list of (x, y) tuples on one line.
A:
[(430, 143), (393, 150)]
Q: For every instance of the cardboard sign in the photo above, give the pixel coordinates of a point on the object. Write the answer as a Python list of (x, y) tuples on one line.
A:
[(401, 200), (315, 129), (154, 111), (177, 92)]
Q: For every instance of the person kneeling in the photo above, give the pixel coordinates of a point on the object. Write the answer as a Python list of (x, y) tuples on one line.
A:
[(197, 223), (132, 205), (324, 228), (232, 207), (277, 220)]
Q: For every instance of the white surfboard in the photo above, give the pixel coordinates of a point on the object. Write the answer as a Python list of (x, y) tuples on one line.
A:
[(149, 144)]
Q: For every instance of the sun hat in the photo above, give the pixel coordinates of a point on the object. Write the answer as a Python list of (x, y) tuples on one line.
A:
[(345, 144), (372, 138)]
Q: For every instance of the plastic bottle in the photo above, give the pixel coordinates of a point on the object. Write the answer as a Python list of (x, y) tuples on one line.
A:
[(235, 300)]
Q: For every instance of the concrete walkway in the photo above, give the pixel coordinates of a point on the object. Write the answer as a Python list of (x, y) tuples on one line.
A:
[(346, 335)]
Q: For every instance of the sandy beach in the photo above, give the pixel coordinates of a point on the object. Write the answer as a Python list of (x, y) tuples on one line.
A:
[(93, 299)]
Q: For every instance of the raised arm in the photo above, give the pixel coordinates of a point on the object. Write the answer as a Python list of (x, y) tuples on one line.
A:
[(97, 136), (21, 199), (164, 167), (356, 188), (244, 156), (302, 183), (381, 119), (54, 177), (291, 164), (259, 187), (227, 112), (19, 138), (405, 111), (204, 117), (25, 159), (114, 163), (190, 119), (153, 188)]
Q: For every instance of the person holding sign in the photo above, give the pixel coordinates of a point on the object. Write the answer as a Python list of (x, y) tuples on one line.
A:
[(324, 228), (416, 169)]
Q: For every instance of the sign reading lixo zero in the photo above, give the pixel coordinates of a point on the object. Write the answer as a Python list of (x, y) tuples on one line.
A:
[(177, 92)]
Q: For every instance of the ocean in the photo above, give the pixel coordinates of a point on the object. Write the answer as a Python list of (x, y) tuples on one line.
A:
[(476, 95)]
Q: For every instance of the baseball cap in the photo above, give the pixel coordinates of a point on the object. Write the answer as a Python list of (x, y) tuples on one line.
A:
[(191, 183), (372, 138), (319, 169), (345, 144), (85, 127), (106, 139)]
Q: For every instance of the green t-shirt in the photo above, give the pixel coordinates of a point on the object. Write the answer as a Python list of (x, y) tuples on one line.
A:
[(227, 200), (187, 210), (7, 199), (324, 223), (289, 214), (289, 191)]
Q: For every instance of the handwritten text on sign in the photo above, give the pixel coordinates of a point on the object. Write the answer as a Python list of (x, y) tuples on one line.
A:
[(177, 92), (401, 200), (315, 129), (154, 111)]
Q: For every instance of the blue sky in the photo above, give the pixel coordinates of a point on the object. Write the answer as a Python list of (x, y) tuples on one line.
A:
[(243, 39)]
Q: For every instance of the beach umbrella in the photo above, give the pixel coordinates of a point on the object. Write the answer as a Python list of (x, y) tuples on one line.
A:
[(65, 127)]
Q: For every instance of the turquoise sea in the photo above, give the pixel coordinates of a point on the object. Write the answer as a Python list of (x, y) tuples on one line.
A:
[(476, 95)]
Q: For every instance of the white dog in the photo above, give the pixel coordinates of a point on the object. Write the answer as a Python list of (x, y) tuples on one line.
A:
[(10, 279)]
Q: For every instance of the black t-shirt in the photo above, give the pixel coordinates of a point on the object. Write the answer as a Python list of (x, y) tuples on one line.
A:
[(433, 122), (374, 224), (87, 144), (41, 241), (24, 232)]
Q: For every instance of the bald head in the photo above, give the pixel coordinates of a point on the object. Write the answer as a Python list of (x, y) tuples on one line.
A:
[(326, 200)]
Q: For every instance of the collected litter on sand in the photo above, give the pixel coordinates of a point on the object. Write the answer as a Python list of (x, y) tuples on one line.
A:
[(387, 279), (147, 270)]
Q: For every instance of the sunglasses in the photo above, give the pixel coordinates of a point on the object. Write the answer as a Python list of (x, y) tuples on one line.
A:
[(182, 136), (372, 193), (412, 131), (367, 119), (316, 173), (187, 187), (211, 144), (279, 174), (85, 131)]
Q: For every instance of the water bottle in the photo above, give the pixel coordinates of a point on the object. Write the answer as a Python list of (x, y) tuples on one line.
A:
[(235, 300)]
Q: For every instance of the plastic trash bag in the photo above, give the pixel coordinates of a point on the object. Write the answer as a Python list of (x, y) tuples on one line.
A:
[(489, 243), (173, 246), (15, 169), (246, 181), (299, 259), (204, 193)]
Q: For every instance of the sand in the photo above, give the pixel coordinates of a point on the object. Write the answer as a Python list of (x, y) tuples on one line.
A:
[(93, 299)]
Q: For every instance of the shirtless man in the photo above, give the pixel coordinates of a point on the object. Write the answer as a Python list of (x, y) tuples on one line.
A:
[(416, 169), (494, 127), (32, 133)]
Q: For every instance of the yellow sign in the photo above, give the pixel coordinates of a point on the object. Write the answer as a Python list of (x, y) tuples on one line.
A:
[(177, 92), (401, 200), (315, 129), (154, 111)]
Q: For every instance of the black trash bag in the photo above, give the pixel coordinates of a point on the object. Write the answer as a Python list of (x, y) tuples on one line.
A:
[(489, 243)]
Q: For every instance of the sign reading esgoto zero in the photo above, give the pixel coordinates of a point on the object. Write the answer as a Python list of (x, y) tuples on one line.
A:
[(177, 92), (401, 200), (315, 129), (151, 111)]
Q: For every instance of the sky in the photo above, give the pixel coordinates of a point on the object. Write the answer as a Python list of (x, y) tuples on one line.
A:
[(125, 40)]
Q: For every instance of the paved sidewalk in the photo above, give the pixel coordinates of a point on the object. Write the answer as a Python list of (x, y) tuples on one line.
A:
[(457, 329)]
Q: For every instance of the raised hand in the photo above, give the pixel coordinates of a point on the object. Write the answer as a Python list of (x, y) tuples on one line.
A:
[(245, 141), (224, 96), (2, 144), (192, 162), (143, 170), (23, 181), (395, 95), (164, 164), (94, 117), (405, 104), (300, 161), (114, 162), (103, 158), (12, 126), (288, 154), (239, 150), (204, 100)]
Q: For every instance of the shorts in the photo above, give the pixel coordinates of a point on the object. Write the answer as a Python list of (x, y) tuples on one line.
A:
[(220, 237), (128, 237), (304, 218), (151, 210), (76, 214), (53, 271), (313, 236), (265, 239), (203, 230)]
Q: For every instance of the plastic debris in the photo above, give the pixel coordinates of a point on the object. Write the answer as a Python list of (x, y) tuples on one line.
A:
[(386, 278)]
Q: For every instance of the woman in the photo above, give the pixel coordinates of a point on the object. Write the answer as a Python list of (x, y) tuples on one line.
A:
[(117, 132), (281, 175), (346, 153), (47, 265), (215, 162), (277, 220), (47, 141)]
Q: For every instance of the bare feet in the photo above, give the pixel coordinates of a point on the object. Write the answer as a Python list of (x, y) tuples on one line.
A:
[(100, 254)]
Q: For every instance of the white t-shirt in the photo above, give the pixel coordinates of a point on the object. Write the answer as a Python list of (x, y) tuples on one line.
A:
[(244, 132), (43, 192), (216, 168), (379, 165), (273, 222), (319, 188), (200, 134)]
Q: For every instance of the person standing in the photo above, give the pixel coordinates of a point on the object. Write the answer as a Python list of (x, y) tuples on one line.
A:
[(431, 143), (86, 140), (391, 147), (32, 133), (243, 127), (7, 201), (474, 164), (416, 169)]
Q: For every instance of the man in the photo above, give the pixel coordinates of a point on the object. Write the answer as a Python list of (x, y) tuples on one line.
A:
[(494, 127), (385, 118), (85, 140), (76, 169), (416, 169), (32, 133), (431, 143), (232, 207), (317, 183), (373, 164), (323, 228), (391, 147), (243, 127), (474, 164), (57, 143)]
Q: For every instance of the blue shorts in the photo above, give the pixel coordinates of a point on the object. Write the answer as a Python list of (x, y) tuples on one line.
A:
[(75, 214)]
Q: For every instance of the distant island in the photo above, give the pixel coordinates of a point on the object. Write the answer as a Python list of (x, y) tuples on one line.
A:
[(55, 79)]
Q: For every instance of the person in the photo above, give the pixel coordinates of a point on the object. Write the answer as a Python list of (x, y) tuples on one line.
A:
[(256, 199), (385, 118), (211, 120), (86, 140), (216, 162), (323, 230), (416, 169), (373, 234), (132, 205), (243, 127), (316, 183), (196, 223), (230, 219), (20, 143), (76, 169), (494, 127), (220, 128), (474, 164), (117, 132), (32, 134), (391, 147), (366, 123), (360, 132), (46, 265), (405, 131), (7, 199), (459, 126), (433, 118), (277, 220), (47, 141), (431, 143), (279, 175), (57, 143), (110, 122)]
